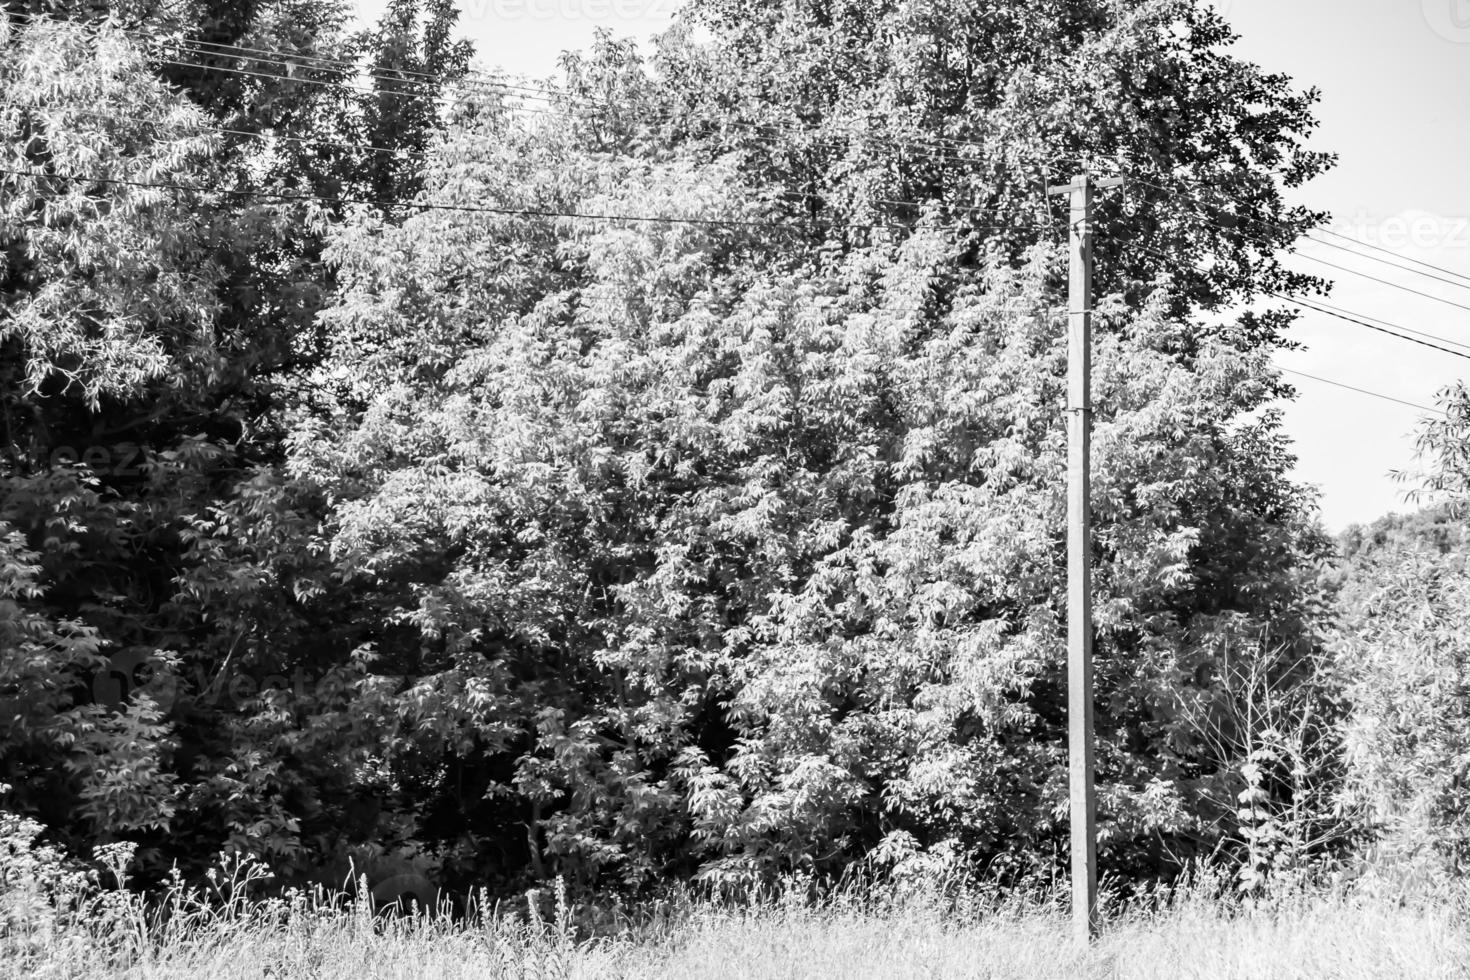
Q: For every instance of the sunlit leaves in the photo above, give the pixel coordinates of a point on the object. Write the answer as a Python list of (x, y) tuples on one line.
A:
[(110, 280), (784, 550)]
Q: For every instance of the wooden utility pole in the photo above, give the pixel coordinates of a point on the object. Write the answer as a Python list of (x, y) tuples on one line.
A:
[(1079, 556)]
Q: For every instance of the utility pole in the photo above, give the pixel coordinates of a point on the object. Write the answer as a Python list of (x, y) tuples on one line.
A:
[(1079, 555)]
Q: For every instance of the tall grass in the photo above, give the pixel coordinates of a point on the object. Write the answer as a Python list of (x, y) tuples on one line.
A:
[(892, 932)]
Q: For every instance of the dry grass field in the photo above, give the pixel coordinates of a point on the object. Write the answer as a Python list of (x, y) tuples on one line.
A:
[(1346, 934)]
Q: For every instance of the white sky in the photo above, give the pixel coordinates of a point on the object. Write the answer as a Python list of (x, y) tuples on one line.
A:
[(1394, 75)]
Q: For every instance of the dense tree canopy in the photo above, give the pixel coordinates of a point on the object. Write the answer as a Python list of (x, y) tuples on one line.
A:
[(855, 108), (1402, 647), (709, 560), (160, 291), (634, 489)]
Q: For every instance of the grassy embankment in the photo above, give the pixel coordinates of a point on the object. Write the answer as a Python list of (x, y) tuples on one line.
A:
[(1344, 933)]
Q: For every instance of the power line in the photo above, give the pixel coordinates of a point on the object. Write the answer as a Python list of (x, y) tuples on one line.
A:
[(1386, 282), (1351, 251), (403, 154), (1326, 231), (1327, 307), (288, 60), (1373, 258), (302, 80), (1343, 268), (1386, 251), (1362, 391), (535, 213), (424, 206), (1363, 323), (484, 81), (1360, 320), (755, 129), (465, 208), (482, 84), (767, 133), (531, 212), (1308, 234), (322, 63)]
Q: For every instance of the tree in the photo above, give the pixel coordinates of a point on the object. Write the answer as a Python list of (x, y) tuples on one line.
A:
[(871, 112), (160, 284), (689, 556), (413, 68), (109, 295), (1402, 644), (616, 518), (1445, 443)]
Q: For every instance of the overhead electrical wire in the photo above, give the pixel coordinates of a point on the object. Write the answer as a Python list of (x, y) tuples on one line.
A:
[(1321, 231), (486, 82), (1385, 282), (1338, 311), (558, 214), (484, 85), (1362, 391), (549, 96), (1383, 326), (1334, 310), (561, 214), (1305, 304), (1308, 234), (465, 208), (1360, 322), (290, 60), (1378, 248), (478, 83), (943, 156)]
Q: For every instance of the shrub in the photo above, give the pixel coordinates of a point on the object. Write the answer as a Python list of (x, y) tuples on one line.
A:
[(1405, 646)]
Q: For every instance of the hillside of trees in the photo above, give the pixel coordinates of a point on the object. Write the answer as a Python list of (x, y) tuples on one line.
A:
[(665, 480)]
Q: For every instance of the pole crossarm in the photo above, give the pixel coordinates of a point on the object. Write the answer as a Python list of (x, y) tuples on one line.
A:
[(1098, 183)]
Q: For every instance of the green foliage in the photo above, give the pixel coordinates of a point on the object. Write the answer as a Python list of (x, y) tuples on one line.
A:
[(1436, 529), (508, 545), (1445, 441), (728, 567), (1404, 642), (150, 323), (977, 107)]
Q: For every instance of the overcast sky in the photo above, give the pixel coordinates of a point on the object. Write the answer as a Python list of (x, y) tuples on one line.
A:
[(1394, 75)]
